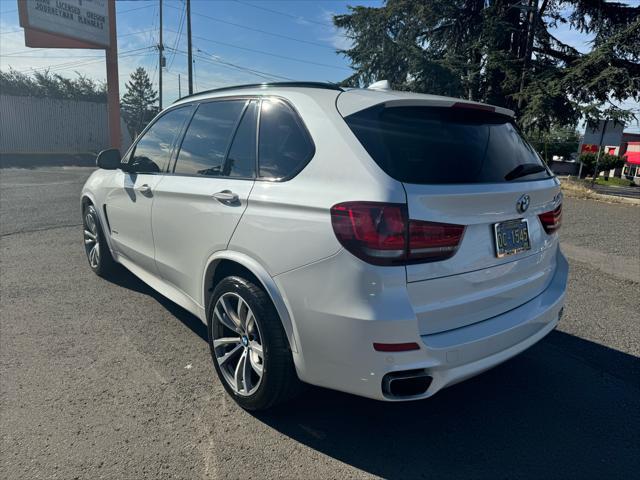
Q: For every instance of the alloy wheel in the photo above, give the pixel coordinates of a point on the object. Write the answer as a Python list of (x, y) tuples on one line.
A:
[(237, 344), (91, 243)]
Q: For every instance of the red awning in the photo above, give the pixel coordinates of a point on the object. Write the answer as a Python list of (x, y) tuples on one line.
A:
[(633, 153), (633, 158)]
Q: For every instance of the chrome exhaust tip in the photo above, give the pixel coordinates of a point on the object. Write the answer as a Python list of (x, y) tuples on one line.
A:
[(405, 384)]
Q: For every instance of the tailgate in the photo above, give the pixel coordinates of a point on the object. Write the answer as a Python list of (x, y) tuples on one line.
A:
[(479, 207), (475, 284)]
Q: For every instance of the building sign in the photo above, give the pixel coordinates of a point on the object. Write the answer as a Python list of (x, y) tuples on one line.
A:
[(605, 132), (588, 148), (84, 20)]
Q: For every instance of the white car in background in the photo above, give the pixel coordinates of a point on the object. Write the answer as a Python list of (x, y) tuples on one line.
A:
[(381, 243)]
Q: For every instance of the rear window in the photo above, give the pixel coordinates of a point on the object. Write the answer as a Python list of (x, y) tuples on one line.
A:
[(436, 145)]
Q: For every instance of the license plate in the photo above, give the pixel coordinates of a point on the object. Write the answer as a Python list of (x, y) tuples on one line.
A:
[(512, 237)]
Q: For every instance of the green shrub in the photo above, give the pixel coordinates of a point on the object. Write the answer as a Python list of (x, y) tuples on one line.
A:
[(607, 162)]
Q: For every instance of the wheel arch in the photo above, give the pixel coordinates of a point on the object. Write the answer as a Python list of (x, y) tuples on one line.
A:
[(87, 198), (221, 264)]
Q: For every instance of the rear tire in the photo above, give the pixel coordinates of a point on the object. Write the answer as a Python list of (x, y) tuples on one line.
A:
[(249, 347), (95, 244)]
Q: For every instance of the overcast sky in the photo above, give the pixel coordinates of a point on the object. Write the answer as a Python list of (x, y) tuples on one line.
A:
[(234, 41)]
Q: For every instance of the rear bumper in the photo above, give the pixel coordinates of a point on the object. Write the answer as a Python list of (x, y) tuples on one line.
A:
[(336, 325)]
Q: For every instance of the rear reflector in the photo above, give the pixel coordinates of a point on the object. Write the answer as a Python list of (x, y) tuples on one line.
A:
[(382, 234), (551, 220), (396, 347)]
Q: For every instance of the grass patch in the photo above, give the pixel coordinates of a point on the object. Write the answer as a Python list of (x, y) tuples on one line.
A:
[(614, 182), (576, 188), (572, 187)]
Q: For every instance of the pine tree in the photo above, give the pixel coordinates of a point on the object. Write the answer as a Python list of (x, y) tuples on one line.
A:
[(502, 52), (139, 103)]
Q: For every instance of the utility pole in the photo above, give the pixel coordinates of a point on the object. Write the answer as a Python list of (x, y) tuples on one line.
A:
[(595, 173), (113, 89), (189, 49), (160, 60)]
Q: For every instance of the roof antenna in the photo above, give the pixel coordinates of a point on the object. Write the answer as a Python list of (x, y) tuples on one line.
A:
[(380, 85)]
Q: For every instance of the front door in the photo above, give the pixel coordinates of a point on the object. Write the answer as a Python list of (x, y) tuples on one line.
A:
[(128, 204), (128, 208)]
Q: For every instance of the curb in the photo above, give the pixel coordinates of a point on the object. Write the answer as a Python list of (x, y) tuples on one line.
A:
[(601, 197)]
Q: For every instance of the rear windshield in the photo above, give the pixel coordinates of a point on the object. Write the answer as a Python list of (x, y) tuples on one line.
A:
[(437, 145)]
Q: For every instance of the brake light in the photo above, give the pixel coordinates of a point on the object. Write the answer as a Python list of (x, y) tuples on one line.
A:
[(382, 234), (551, 220)]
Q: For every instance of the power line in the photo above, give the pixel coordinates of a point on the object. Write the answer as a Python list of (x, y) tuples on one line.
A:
[(262, 52), (136, 8), (70, 67), (294, 39), (235, 66), (60, 69), (32, 50), (54, 56), (216, 60), (176, 44), (75, 64), (284, 14)]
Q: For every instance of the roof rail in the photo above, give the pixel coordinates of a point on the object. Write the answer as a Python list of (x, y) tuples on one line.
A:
[(324, 85)]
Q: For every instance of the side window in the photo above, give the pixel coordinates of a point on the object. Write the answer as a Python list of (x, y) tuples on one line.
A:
[(207, 138), (284, 145), (241, 161), (153, 150)]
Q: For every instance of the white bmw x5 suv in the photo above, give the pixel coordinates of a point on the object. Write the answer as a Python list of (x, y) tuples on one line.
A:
[(381, 243)]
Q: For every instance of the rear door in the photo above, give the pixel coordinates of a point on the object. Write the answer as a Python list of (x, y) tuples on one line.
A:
[(469, 167), (198, 205)]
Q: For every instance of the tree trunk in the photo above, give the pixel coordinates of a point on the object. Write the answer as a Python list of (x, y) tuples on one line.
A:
[(532, 20)]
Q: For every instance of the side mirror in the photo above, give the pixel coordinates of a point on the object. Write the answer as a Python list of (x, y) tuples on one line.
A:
[(109, 159)]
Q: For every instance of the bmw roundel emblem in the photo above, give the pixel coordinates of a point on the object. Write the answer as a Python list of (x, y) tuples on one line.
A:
[(523, 203)]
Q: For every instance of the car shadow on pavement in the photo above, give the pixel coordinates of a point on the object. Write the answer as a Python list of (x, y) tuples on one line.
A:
[(566, 408), (124, 278)]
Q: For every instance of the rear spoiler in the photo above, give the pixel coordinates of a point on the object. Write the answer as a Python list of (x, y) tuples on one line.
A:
[(355, 100), (450, 103)]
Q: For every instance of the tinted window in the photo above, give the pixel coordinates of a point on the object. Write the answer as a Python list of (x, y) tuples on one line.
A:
[(153, 151), (241, 161), (285, 146), (445, 145), (207, 138)]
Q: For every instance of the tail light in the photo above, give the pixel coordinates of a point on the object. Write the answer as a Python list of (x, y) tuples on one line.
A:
[(551, 220), (382, 234)]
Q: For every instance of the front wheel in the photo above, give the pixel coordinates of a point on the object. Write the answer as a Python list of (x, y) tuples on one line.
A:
[(248, 345), (95, 245)]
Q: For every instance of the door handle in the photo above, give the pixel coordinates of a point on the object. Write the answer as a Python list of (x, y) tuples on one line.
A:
[(227, 197), (144, 189)]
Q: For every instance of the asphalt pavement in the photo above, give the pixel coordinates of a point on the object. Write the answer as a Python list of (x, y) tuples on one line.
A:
[(617, 191), (103, 379)]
